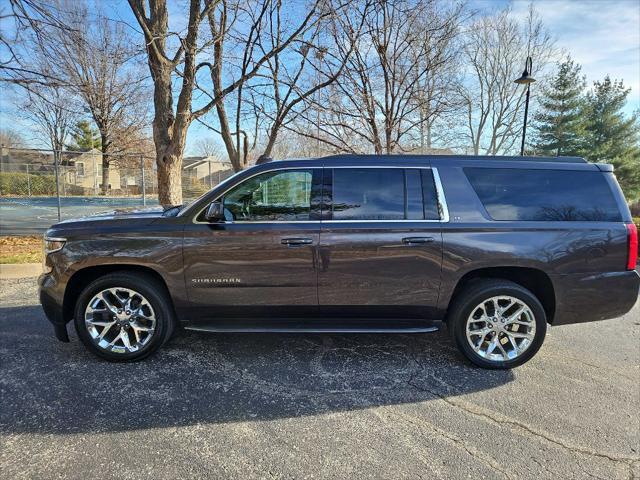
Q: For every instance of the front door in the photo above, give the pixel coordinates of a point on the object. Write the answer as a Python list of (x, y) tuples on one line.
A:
[(380, 243), (261, 260)]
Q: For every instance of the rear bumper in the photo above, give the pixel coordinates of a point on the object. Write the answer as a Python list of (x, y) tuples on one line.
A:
[(51, 300), (591, 297)]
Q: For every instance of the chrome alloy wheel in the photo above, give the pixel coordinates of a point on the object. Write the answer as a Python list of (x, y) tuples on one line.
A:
[(501, 328), (120, 320)]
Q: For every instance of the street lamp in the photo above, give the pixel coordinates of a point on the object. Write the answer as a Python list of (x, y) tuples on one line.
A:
[(525, 79)]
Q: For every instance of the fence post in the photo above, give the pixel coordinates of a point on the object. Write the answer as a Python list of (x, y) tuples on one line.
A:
[(55, 166), (95, 173), (28, 182), (144, 194)]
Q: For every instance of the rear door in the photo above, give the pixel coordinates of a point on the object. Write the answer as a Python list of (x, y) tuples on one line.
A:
[(261, 260), (380, 248)]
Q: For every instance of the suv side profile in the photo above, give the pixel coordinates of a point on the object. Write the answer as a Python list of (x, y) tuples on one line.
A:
[(495, 247)]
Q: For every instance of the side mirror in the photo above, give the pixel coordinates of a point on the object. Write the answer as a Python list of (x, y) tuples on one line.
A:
[(215, 212)]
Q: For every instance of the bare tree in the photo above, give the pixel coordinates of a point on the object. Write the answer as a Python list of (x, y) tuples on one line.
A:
[(437, 91), (314, 64), (94, 57), (48, 107), (376, 104), (170, 124), (495, 51), (264, 39), (24, 21), (10, 138), (169, 127), (207, 147)]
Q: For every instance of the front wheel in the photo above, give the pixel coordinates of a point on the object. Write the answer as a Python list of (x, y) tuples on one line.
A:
[(123, 316), (497, 324)]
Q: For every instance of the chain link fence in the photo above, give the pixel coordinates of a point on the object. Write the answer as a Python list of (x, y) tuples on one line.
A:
[(41, 187)]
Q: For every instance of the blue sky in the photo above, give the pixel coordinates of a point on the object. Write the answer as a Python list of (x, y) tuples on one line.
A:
[(602, 35)]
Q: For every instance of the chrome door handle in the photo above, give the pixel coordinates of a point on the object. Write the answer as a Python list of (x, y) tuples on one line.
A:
[(296, 242), (417, 240)]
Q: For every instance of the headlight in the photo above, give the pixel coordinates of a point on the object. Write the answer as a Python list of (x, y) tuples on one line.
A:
[(53, 244)]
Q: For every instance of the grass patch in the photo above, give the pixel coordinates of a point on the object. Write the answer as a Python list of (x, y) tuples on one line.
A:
[(27, 249)]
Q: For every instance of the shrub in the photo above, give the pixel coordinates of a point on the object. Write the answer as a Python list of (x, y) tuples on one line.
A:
[(16, 183)]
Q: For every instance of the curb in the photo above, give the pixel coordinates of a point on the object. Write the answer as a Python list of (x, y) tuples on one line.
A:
[(19, 270)]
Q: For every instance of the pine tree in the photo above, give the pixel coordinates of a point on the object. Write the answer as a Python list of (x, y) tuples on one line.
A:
[(84, 137), (558, 124), (610, 136)]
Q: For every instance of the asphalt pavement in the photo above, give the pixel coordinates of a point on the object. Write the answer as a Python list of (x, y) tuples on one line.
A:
[(315, 406)]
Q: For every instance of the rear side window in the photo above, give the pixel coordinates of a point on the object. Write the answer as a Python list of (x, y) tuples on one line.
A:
[(382, 194), (544, 195), (368, 194)]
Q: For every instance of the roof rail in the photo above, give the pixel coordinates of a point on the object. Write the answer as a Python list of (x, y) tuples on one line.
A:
[(469, 157), (528, 159)]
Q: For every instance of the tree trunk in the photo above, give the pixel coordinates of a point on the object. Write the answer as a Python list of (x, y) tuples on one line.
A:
[(273, 135), (169, 179), (105, 176), (169, 139), (104, 142), (169, 128)]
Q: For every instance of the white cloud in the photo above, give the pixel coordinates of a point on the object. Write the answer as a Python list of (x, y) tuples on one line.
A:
[(602, 35)]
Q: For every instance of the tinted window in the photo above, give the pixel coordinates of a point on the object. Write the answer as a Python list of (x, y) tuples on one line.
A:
[(544, 195), (271, 196), (413, 185), (429, 195), (382, 194), (368, 194)]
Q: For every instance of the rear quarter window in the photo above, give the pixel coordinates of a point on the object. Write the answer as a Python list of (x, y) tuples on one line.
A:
[(544, 195)]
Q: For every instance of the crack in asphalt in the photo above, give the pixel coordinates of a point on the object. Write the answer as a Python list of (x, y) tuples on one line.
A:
[(500, 419), (459, 442), (592, 365)]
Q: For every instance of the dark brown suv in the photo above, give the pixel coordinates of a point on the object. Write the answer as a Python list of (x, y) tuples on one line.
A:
[(495, 247)]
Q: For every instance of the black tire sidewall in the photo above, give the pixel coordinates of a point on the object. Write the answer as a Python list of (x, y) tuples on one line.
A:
[(147, 288), (474, 298)]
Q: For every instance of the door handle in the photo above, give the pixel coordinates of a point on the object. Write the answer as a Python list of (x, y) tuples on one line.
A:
[(417, 240), (296, 242)]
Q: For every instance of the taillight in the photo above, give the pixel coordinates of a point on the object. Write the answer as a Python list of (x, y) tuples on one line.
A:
[(632, 241)]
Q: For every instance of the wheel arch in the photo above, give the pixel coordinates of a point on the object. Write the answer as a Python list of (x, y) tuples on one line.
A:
[(533, 279), (84, 276)]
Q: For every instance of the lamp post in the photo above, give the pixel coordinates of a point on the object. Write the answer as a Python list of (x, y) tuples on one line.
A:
[(319, 53), (525, 79)]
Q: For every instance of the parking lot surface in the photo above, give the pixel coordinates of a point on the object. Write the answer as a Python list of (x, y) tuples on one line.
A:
[(315, 406), (32, 215)]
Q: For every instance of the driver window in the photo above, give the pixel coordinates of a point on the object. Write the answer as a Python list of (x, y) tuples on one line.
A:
[(271, 196)]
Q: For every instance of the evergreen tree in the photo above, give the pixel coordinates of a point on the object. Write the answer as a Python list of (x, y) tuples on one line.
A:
[(610, 136), (84, 137), (559, 124)]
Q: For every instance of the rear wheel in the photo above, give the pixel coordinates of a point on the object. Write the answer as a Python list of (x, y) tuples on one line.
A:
[(124, 316), (497, 324)]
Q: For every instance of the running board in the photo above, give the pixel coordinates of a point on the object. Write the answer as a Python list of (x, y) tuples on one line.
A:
[(304, 325)]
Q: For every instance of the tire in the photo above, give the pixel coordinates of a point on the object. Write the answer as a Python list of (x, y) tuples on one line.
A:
[(149, 326), (474, 318)]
